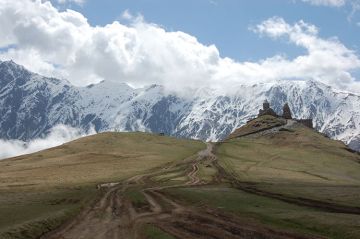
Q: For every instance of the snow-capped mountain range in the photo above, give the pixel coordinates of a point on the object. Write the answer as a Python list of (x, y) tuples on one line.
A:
[(30, 105)]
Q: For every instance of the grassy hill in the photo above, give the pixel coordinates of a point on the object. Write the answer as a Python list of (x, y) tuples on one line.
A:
[(291, 163), (271, 178), (40, 190), (286, 176), (293, 155), (257, 125)]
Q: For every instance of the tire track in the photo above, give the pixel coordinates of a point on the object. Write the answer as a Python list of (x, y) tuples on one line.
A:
[(114, 216)]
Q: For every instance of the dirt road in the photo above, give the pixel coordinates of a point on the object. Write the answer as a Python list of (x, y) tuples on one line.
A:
[(114, 216)]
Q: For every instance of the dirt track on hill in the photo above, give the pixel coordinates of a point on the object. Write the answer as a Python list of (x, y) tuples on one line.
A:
[(114, 216)]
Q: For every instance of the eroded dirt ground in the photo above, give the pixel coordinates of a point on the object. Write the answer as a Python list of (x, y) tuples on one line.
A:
[(117, 216)]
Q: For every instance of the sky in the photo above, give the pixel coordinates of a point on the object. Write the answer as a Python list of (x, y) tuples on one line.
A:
[(185, 44), (226, 23)]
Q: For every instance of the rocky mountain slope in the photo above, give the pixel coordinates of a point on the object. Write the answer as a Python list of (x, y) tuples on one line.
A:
[(30, 105)]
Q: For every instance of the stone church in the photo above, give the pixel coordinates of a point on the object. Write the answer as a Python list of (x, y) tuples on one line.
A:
[(267, 110)]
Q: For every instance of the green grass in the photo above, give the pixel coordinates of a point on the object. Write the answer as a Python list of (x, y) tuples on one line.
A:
[(342, 195), (301, 163), (136, 197), (152, 232), (176, 174), (271, 212), (297, 162), (206, 172), (29, 213), (41, 190)]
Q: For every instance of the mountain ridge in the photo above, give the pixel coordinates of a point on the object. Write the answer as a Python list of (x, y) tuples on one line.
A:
[(31, 105)]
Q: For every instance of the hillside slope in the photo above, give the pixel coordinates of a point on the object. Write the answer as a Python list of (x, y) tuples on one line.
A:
[(297, 165), (288, 152), (41, 190), (270, 179)]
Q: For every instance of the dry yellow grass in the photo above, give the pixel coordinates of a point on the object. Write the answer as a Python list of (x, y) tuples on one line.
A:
[(94, 159), (300, 156), (41, 190), (299, 162)]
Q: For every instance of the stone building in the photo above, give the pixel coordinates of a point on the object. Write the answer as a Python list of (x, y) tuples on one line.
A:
[(286, 112), (266, 105), (266, 110)]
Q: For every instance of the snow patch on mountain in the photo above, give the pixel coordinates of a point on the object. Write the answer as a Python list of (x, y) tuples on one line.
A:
[(31, 105)]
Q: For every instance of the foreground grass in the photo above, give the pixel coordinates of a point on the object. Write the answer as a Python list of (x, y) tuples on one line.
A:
[(41, 190), (293, 162), (28, 213), (274, 213), (136, 197), (152, 232)]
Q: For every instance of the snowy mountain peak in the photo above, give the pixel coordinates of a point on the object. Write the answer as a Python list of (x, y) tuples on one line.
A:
[(30, 105), (12, 66)]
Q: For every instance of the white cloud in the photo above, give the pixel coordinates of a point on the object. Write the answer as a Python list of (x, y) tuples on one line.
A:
[(127, 15), (63, 44), (59, 134), (327, 60), (79, 2), (332, 3), (354, 5)]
